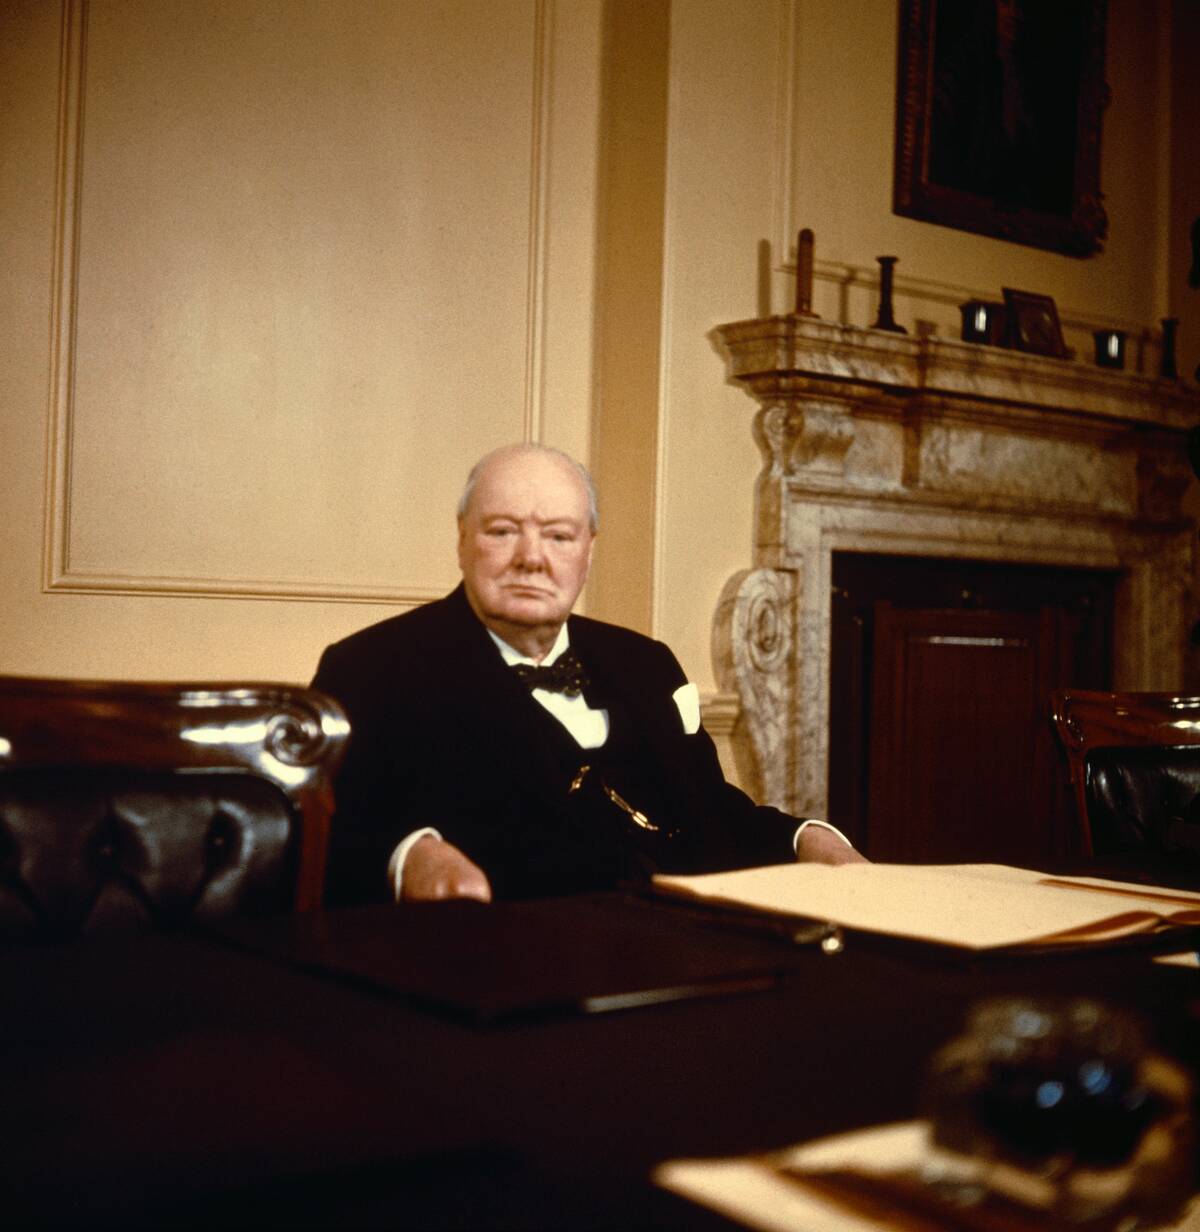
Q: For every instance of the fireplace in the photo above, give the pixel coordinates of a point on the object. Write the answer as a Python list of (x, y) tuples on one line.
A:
[(881, 445)]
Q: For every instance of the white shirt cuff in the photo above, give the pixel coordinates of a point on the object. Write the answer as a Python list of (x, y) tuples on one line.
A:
[(396, 862), (824, 825)]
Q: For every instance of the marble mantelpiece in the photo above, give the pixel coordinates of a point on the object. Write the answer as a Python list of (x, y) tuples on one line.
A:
[(878, 442)]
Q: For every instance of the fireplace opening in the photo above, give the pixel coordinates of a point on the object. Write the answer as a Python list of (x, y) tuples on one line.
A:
[(940, 743)]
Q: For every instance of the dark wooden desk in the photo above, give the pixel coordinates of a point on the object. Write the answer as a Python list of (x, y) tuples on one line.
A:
[(179, 1081)]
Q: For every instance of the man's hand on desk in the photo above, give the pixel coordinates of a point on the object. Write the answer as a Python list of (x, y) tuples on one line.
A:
[(818, 845), (436, 869)]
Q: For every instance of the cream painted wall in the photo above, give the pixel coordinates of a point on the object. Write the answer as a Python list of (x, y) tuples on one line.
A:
[(726, 192), (846, 82), (312, 259), (1183, 39), (329, 252), (781, 116), (629, 303)]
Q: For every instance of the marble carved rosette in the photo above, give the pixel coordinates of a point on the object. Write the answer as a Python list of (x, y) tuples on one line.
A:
[(754, 655)]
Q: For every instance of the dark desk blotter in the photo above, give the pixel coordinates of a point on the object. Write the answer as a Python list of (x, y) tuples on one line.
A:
[(492, 961)]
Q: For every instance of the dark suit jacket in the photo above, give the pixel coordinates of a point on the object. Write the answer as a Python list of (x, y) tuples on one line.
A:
[(444, 735)]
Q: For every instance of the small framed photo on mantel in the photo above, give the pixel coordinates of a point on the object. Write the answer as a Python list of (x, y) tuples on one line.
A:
[(1032, 324)]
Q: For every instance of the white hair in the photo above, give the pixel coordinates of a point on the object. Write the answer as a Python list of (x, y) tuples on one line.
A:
[(464, 500)]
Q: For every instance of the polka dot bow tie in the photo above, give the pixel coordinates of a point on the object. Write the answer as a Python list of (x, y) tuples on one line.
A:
[(565, 675)]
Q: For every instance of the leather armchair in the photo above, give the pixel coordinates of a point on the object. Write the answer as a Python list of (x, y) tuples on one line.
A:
[(131, 806), (1135, 767)]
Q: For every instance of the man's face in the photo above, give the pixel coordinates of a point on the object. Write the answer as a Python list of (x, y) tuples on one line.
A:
[(524, 544)]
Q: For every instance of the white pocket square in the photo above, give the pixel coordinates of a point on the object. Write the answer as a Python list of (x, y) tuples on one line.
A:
[(687, 701)]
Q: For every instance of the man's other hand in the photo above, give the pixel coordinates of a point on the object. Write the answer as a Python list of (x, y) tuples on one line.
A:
[(820, 846), (436, 869)]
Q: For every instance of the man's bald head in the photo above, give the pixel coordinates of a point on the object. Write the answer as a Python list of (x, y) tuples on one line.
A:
[(506, 451)]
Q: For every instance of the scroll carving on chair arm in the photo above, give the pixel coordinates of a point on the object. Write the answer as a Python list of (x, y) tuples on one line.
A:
[(302, 729)]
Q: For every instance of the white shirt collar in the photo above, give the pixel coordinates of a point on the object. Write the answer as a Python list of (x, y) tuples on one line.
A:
[(512, 656)]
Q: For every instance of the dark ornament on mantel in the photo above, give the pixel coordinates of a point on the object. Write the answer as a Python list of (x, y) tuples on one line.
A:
[(886, 319), (1166, 363), (1193, 449), (982, 321), (804, 273), (1110, 348)]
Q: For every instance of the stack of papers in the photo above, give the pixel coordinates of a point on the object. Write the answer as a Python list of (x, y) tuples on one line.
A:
[(972, 906), (864, 1181)]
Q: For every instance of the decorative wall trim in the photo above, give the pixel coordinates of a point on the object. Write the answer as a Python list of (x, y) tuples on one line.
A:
[(720, 713), (783, 203), (539, 175), (63, 296), (58, 573), (182, 586), (662, 426)]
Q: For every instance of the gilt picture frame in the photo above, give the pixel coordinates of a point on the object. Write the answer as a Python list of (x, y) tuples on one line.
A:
[(999, 111)]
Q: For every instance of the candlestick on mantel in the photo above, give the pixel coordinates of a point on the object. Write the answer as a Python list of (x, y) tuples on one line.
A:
[(886, 319), (1166, 365), (804, 273)]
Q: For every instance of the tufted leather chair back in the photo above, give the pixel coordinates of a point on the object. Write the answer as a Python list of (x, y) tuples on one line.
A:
[(131, 806), (1135, 766), (1145, 799)]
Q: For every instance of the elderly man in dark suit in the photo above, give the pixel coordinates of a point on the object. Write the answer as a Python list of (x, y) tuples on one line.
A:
[(504, 747)]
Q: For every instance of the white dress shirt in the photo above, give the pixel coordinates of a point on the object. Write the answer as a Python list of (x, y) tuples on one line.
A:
[(589, 728)]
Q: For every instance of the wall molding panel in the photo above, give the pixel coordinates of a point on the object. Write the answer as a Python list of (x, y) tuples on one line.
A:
[(63, 305), (66, 569), (539, 176)]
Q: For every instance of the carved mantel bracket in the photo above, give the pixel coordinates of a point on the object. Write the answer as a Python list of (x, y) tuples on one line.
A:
[(754, 654), (877, 442)]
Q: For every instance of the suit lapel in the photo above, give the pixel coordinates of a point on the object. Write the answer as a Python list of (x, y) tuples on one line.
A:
[(512, 725), (637, 690), (618, 683), (506, 720)]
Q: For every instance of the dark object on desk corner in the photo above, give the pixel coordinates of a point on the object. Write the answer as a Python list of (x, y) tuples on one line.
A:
[(1067, 1091), (804, 273), (1032, 323), (1134, 760), (582, 954), (1168, 369), (1110, 348), (886, 318), (983, 321), (132, 806)]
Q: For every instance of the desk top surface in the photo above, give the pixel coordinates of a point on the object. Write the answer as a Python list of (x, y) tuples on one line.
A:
[(182, 1078)]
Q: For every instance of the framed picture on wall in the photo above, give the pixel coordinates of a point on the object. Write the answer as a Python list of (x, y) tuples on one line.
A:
[(998, 118)]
